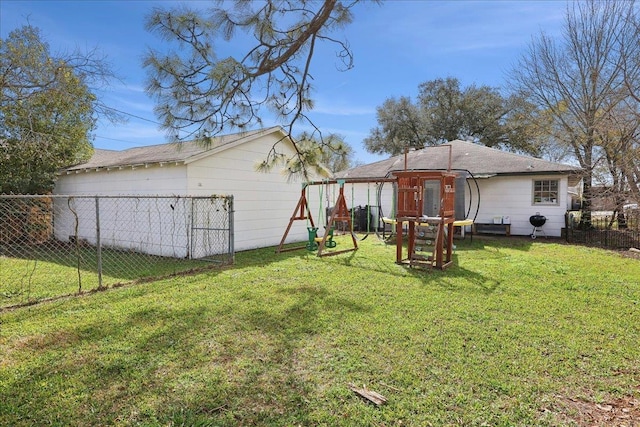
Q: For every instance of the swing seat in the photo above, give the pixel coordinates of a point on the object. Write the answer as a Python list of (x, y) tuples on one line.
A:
[(312, 245), (330, 243)]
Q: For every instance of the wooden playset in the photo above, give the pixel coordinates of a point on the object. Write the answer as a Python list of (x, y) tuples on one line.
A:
[(424, 233), (429, 239)]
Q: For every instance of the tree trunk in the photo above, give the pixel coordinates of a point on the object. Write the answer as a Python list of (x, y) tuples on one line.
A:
[(587, 197)]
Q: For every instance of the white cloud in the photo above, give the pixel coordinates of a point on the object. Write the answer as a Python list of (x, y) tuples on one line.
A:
[(415, 28), (336, 109)]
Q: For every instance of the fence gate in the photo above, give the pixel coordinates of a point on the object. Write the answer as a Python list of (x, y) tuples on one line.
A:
[(212, 228)]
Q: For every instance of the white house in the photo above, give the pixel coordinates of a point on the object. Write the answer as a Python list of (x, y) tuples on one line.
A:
[(263, 202), (501, 186)]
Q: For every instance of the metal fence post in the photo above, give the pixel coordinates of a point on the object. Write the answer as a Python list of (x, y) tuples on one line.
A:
[(98, 243), (231, 232), (192, 233)]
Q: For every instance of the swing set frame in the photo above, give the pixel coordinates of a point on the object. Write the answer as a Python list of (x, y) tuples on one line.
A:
[(339, 214), (410, 185)]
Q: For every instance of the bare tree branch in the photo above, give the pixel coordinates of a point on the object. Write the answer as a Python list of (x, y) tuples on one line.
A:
[(584, 82), (200, 95)]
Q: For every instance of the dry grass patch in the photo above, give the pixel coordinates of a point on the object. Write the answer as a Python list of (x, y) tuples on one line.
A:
[(621, 412)]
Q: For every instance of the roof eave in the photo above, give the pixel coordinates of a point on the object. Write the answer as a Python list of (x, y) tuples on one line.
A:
[(131, 166)]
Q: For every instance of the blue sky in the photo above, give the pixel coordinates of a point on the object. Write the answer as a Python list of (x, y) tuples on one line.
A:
[(397, 45)]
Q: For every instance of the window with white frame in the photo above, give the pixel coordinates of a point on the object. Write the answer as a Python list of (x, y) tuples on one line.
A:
[(545, 192)]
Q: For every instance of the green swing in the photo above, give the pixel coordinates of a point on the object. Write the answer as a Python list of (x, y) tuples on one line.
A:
[(314, 240)]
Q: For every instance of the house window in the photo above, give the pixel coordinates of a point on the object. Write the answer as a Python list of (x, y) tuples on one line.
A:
[(545, 192)]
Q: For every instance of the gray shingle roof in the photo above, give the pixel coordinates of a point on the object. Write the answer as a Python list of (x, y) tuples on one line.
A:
[(475, 158), (164, 153)]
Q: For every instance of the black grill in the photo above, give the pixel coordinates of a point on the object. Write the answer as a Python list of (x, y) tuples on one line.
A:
[(537, 221)]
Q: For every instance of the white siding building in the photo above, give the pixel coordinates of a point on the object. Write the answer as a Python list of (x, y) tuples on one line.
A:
[(263, 202), (501, 186)]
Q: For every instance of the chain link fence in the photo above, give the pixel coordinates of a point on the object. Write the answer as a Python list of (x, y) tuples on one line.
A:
[(57, 245)]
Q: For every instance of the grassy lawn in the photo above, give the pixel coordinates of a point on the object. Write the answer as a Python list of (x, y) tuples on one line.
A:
[(51, 272), (516, 333)]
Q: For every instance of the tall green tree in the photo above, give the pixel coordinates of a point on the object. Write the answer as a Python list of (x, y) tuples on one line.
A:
[(446, 111), (452, 112), (583, 78), (400, 126), (199, 94), (46, 111)]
